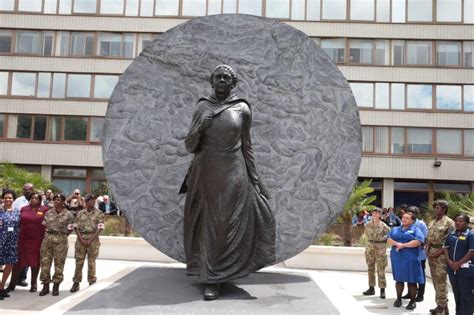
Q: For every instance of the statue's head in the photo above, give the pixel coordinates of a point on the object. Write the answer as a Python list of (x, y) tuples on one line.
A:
[(223, 77)]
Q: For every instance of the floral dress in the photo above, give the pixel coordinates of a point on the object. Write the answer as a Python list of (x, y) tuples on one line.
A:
[(9, 231)]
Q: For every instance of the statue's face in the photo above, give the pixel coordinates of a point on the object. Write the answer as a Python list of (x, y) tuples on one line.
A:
[(222, 81)]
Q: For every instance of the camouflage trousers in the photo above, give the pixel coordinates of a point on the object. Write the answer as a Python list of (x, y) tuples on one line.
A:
[(53, 249), (439, 277), (376, 255), (81, 252)]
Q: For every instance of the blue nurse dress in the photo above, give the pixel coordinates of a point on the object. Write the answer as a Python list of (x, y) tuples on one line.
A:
[(406, 262)]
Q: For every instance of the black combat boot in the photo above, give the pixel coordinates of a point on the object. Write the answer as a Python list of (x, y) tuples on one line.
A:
[(44, 290), (56, 289), (421, 293), (75, 287), (369, 291), (411, 305), (382, 293)]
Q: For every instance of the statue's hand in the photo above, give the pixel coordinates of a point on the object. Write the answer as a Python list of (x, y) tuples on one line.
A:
[(206, 122)]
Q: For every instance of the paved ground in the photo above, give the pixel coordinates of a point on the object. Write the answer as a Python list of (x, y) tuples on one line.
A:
[(127, 287)]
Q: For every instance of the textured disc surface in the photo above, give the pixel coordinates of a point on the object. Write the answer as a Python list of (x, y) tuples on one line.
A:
[(306, 128)]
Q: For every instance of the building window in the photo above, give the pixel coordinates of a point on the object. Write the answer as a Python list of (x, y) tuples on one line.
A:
[(334, 9), (44, 84), (420, 10), (468, 11), (419, 96), (398, 141), (448, 97), (398, 54), (28, 42), (23, 83), (419, 140), (146, 8), (381, 143), (27, 127), (278, 9), (7, 5), (50, 6), (410, 193), (383, 11), (230, 6), (297, 9), (468, 48), (335, 48), (362, 10), (97, 125), (2, 124), (382, 52), (449, 141), (3, 83), (454, 187), (313, 10), (29, 5), (398, 11), (397, 99), (449, 53), (193, 7), (170, 7), (68, 179), (131, 7), (85, 6), (65, 6), (104, 85), (468, 98), (469, 142), (5, 41), (363, 93), (111, 7), (367, 139), (75, 128), (116, 45), (59, 85), (360, 51), (448, 10), (382, 94), (82, 44), (55, 128), (418, 53), (79, 85)]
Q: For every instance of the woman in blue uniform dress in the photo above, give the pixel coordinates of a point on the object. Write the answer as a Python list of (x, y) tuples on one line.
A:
[(459, 248), (9, 231), (405, 257)]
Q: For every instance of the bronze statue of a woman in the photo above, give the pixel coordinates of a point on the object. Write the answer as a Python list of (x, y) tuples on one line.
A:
[(229, 229)]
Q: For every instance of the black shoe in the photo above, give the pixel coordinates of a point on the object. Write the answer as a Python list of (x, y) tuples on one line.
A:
[(75, 287), (22, 283), (56, 289), (397, 303), (419, 298), (406, 296), (4, 294), (411, 305), (33, 288), (45, 289), (382, 293), (369, 291), (10, 288), (211, 292)]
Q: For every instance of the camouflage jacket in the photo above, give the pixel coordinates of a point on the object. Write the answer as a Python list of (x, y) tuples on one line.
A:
[(376, 233), (438, 230), (59, 223), (89, 222)]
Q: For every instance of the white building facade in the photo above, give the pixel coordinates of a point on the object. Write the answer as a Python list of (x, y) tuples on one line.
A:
[(409, 63)]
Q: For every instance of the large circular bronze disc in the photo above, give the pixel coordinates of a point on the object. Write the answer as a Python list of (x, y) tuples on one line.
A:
[(306, 129)]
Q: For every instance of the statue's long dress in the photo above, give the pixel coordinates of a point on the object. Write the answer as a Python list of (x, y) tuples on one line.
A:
[(229, 230)]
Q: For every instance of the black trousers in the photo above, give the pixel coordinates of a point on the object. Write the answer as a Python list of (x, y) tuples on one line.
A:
[(463, 287)]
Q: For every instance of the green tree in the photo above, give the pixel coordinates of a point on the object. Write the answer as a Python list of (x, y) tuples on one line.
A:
[(359, 200), (14, 178), (458, 203)]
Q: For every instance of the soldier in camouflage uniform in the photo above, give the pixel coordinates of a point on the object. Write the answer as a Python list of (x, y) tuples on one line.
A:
[(438, 230), (59, 224), (89, 224), (376, 252)]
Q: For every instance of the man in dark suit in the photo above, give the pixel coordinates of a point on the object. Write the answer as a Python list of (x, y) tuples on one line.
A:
[(107, 206)]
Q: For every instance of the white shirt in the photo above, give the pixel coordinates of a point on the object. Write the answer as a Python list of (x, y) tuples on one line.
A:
[(20, 202)]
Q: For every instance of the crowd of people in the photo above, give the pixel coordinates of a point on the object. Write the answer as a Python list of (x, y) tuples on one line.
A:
[(34, 230), (447, 245)]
